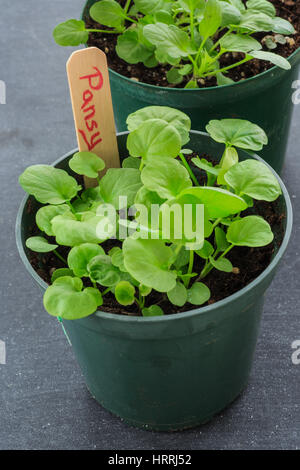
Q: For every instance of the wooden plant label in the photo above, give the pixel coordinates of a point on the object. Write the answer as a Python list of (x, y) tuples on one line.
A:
[(92, 106)]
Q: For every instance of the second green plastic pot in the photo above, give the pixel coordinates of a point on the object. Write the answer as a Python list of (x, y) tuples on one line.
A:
[(265, 99), (176, 371)]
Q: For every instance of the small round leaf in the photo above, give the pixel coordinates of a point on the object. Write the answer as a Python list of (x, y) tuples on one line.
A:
[(70, 33), (124, 293), (40, 245), (198, 294), (48, 184), (251, 231), (178, 295), (87, 164), (80, 256), (152, 311)]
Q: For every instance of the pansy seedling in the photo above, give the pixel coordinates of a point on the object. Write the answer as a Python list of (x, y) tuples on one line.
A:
[(154, 254), (189, 36)]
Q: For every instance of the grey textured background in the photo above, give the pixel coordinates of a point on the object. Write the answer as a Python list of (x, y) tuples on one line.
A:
[(44, 403)]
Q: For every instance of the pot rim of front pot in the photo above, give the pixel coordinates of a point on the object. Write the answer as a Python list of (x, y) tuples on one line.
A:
[(189, 313)]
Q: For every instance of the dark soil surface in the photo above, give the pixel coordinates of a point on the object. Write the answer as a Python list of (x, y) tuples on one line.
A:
[(248, 263), (287, 9)]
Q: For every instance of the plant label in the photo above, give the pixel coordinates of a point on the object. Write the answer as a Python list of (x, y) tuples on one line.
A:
[(92, 106)]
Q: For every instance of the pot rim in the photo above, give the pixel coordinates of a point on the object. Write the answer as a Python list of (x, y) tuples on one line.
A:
[(198, 90), (189, 313)]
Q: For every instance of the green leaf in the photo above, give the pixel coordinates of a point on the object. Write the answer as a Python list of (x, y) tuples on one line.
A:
[(80, 256), (220, 239), (163, 16), (40, 245), (174, 77), (178, 295), (182, 258), (48, 185), (61, 272), (45, 215), (70, 33), (218, 202), (282, 26), (238, 4), (253, 21), (254, 179), (230, 158), (152, 311), (185, 70), (66, 299), (101, 270), (230, 14), (72, 232), (238, 132), (120, 182), (117, 259), (221, 264), (223, 80), (205, 165), (124, 293), (239, 43), (176, 118), (131, 49), (87, 164), (273, 58), (170, 41), (91, 195), (144, 290), (192, 84), (250, 231), (212, 19), (167, 177), (198, 294), (149, 261), (154, 138), (108, 13), (206, 251), (147, 198), (191, 5), (262, 6), (148, 7), (131, 162)]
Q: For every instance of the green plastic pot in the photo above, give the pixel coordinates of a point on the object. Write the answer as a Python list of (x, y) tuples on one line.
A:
[(176, 371), (265, 99)]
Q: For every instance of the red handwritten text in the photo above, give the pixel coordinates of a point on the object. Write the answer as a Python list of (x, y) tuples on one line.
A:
[(95, 83)]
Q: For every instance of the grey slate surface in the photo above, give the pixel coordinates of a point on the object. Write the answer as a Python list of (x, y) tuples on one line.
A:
[(44, 403)]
